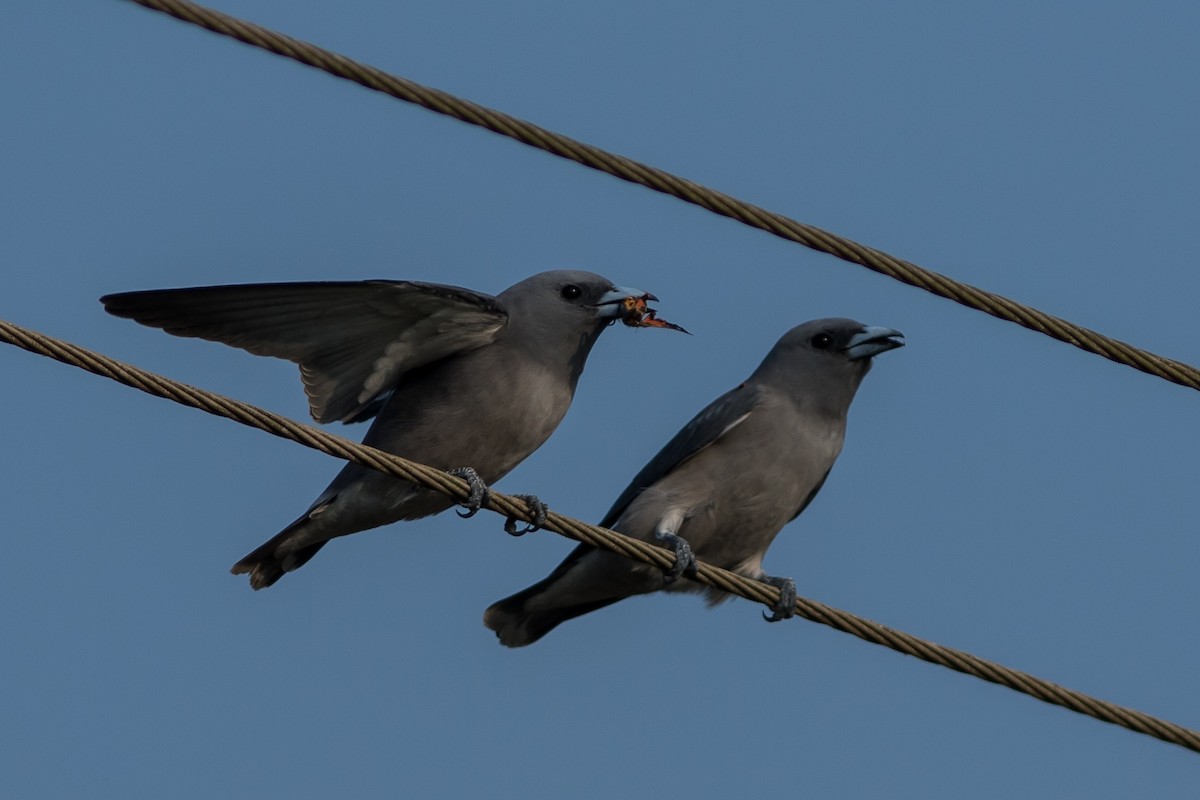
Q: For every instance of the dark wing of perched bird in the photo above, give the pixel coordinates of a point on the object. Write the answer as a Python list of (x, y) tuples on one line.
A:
[(353, 341), (718, 417)]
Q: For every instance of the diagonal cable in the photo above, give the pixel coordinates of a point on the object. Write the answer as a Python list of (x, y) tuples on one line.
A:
[(508, 506), (661, 181)]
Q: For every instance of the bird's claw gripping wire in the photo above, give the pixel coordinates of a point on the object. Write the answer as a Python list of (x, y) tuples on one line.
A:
[(685, 559), (786, 607), (539, 509), (479, 491)]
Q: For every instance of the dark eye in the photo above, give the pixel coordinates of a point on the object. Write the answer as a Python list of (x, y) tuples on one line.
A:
[(822, 341), (571, 292)]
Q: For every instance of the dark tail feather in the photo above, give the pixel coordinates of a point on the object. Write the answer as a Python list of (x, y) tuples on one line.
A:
[(516, 626), (266, 564)]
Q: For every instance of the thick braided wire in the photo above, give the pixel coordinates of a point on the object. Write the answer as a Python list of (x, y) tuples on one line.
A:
[(661, 181), (508, 506)]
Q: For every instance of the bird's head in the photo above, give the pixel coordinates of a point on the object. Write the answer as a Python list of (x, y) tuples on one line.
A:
[(827, 358), (557, 316), (573, 301)]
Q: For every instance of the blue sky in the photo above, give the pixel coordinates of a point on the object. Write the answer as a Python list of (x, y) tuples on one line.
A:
[(999, 492)]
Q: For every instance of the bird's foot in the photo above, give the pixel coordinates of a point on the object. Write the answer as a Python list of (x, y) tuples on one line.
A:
[(786, 607), (685, 559), (479, 491), (539, 509)]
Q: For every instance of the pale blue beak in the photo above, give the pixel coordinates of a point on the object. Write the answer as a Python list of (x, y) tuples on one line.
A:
[(871, 341), (609, 306)]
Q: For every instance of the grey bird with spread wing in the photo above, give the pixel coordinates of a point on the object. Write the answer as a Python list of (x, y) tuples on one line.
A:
[(723, 488), (457, 378)]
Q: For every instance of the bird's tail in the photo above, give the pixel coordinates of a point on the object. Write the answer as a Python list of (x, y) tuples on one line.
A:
[(531, 613), (516, 626), (269, 561)]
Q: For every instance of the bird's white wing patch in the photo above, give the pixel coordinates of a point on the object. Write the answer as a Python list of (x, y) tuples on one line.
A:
[(732, 425)]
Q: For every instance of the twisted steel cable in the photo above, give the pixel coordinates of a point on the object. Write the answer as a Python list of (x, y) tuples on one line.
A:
[(508, 506), (667, 183)]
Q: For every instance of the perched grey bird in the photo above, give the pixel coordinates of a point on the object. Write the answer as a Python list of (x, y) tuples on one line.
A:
[(723, 488), (457, 378)]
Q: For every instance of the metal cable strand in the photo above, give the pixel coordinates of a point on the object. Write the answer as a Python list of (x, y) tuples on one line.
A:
[(507, 506), (717, 202)]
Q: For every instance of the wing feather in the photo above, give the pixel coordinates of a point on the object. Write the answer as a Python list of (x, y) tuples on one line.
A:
[(714, 421), (354, 341)]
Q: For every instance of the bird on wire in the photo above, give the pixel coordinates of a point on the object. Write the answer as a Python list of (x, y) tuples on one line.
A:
[(723, 487), (456, 379)]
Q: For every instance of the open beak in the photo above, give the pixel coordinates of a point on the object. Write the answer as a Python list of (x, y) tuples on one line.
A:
[(871, 341), (629, 306), (612, 304)]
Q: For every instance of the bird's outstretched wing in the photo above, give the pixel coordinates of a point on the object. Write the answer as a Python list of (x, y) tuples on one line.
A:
[(353, 340), (716, 419)]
